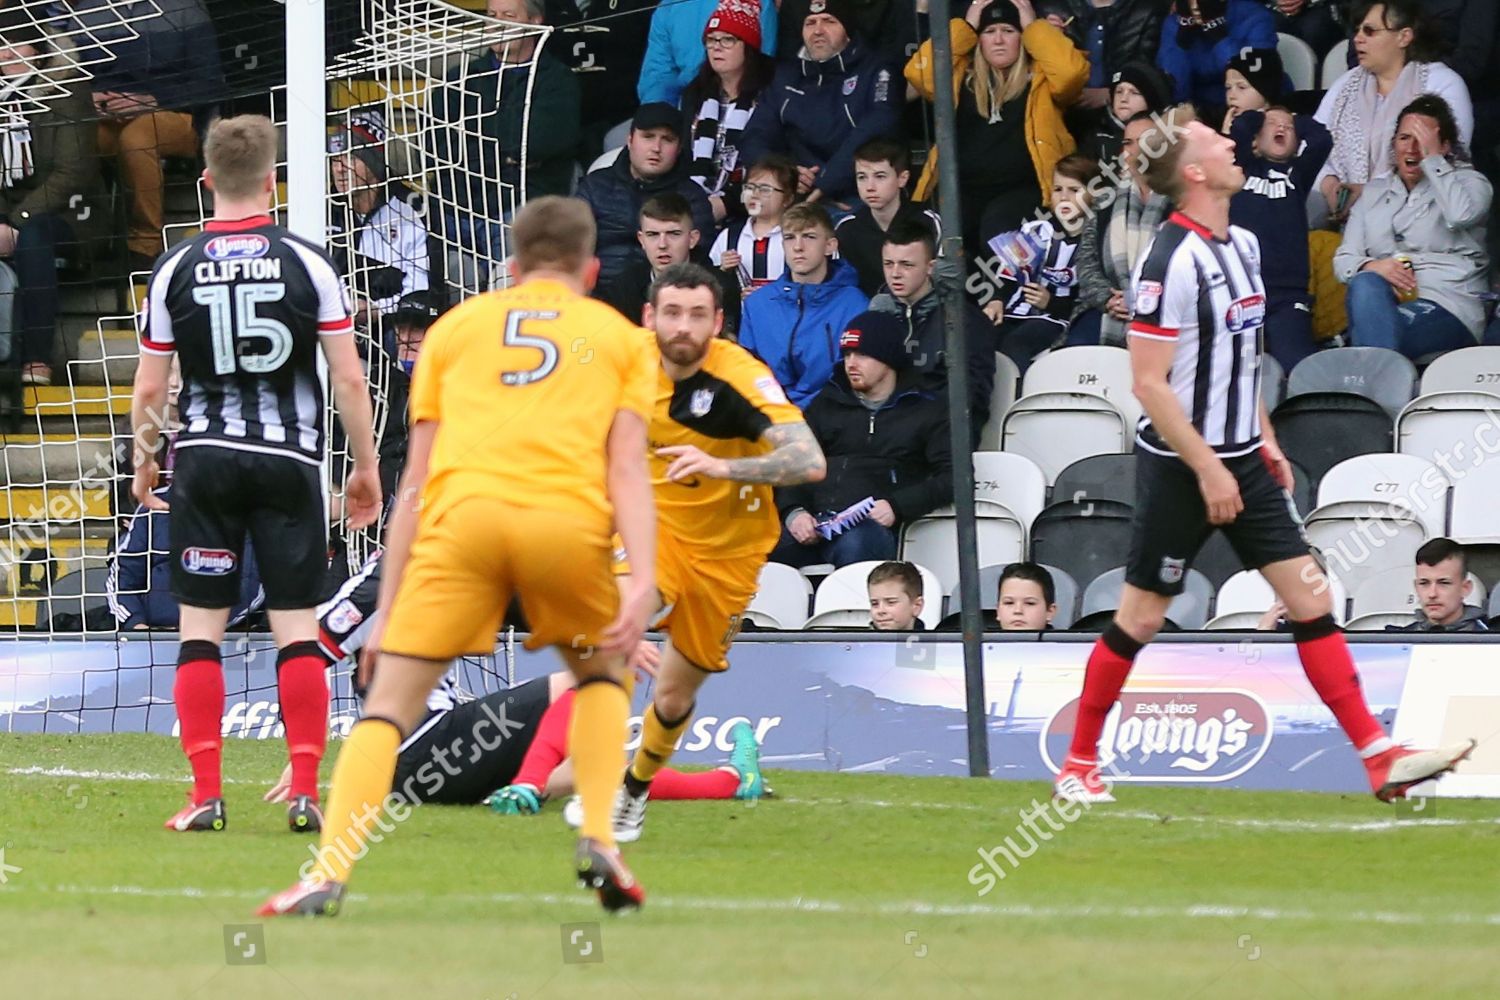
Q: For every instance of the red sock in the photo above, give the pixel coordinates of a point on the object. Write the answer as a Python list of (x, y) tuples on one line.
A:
[(549, 747), (719, 783), (198, 692), (302, 685), (1330, 669), (1109, 664)]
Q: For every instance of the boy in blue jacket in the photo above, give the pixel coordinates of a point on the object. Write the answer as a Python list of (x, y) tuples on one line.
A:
[(794, 324), (1200, 37)]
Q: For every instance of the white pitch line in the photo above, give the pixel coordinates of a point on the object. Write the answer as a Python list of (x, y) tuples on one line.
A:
[(1239, 822), (800, 904)]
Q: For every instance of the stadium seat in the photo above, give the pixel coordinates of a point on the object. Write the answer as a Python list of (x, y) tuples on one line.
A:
[(1055, 429), (1391, 478), (1376, 621), (1304, 488), (840, 618), (1101, 371), (1063, 585), (1444, 428), (1318, 430), (1098, 477), (1474, 519), (1299, 60), (1248, 593), (1234, 621), (605, 159), (1389, 591), (1011, 480), (1376, 373), (1188, 610), (1468, 369), (1007, 380), (1084, 539), (1272, 382), (1494, 603), (845, 589), (1335, 64), (782, 598), (932, 541), (1479, 596), (1359, 539)]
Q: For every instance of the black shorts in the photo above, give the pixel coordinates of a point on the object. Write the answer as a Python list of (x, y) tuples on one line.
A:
[(1171, 525), (218, 496), (483, 741)]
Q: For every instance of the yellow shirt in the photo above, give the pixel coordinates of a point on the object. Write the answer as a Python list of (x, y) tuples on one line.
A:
[(524, 384), (723, 409)]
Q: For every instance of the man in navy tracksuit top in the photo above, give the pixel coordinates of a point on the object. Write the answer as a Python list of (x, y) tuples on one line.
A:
[(824, 104), (1281, 154)]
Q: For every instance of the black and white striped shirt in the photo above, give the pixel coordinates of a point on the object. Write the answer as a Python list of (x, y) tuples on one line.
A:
[(243, 305), (762, 258), (1205, 296)]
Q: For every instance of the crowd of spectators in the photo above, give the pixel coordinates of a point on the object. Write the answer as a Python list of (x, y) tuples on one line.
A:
[(790, 146)]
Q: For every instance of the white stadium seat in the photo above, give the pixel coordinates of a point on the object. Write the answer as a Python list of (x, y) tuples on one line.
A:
[(781, 599), (1388, 592), (1007, 376), (1102, 371), (1248, 593), (1188, 610), (1446, 428), (1335, 64), (848, 618), (1474, 518), (1376, 621), (1360, 539), (1011, 480), (1299, 60), (1234, 621), (932, 541), (846, 589), (1468, 369), (1410, 481), (1056, 429)]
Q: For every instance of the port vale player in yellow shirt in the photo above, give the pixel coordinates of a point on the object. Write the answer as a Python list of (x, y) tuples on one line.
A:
[(722, 434), (529, 410)]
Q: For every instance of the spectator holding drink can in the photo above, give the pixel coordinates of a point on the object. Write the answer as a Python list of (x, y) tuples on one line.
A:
[(1413, 253)]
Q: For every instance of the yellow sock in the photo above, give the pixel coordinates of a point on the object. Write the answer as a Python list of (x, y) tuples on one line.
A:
[(658, 743), (596, 741), (361, 781)]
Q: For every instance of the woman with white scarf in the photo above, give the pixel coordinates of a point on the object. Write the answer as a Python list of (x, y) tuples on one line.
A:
[(1413, 253), (1397, 49)]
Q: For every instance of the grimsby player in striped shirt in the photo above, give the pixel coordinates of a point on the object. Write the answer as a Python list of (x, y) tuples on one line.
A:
[(1207, 459), (245, 307)]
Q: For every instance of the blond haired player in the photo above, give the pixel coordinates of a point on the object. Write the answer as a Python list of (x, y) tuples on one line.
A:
[(528, 439), (722, 434)]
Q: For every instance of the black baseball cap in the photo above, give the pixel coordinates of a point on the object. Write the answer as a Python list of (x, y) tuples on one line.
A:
[(657, 114), (420, 308)]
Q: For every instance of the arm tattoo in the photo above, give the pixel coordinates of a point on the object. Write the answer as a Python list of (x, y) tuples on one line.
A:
[(795, 458)]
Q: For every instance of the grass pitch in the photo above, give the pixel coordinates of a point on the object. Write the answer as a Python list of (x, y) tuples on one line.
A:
[(843, 886)]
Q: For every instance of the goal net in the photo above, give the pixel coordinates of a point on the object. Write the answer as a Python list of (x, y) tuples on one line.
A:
[(420, 179)]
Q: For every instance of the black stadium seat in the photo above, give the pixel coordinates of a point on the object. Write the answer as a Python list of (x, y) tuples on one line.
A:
[(1318, 430), (1098, 477), (1082, 538)]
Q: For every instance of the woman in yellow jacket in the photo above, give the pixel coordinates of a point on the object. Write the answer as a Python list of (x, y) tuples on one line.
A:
[(1013, 75)]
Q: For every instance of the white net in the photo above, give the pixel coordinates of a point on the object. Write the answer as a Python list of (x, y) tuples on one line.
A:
[(428, 116)]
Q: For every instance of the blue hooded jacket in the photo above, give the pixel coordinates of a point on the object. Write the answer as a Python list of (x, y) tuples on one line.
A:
[(819, 113), (1198, 69), (795, 328)]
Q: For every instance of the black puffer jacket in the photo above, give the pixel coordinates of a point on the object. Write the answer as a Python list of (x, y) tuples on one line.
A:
[(898, 453), (926, 340), (615, 196)]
